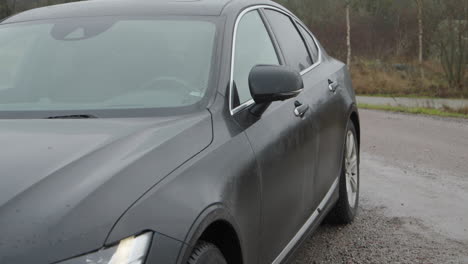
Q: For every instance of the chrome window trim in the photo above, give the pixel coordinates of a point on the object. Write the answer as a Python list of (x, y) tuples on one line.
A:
[(307, 224), (320, 58), (242, 106)]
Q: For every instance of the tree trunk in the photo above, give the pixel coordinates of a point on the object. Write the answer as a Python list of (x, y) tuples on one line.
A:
[(421, 35), (348, 35), (5, 8), (398, 37)]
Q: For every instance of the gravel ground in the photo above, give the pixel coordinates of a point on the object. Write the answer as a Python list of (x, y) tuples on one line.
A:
[(376, 238), (414, 196)]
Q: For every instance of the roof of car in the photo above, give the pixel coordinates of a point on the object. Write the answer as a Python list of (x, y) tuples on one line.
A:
[(129, 8)]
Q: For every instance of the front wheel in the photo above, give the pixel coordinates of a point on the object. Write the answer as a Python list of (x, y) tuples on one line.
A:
[(206, 253), (346, 208)]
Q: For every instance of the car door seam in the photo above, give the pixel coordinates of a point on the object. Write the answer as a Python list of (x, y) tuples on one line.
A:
[(260, 175)]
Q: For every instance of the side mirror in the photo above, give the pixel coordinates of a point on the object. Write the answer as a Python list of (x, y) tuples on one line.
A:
[(269, 83)]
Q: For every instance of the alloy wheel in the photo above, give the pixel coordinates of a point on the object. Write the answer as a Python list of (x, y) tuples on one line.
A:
[(351, 169)]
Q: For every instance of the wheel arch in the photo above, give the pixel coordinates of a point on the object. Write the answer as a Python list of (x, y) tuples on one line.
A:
[(215, 225), (354, 117)]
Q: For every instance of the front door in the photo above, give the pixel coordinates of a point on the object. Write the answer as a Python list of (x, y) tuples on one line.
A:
[(279, 139)]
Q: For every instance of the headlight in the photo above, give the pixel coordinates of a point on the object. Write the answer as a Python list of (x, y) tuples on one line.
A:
[(131, 250)]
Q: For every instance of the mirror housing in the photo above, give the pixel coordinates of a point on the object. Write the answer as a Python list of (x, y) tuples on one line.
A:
[(269, 83)]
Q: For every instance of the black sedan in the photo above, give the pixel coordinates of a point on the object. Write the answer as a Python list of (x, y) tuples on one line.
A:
[(169, 131)]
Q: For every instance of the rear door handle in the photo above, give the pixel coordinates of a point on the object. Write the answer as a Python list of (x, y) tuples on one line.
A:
[(301, 109), (333, 85)]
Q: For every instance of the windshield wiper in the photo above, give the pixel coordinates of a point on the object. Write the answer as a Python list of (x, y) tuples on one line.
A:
[(71, 117)]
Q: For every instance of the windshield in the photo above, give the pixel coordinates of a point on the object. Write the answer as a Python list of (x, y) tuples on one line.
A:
[(105, 63)]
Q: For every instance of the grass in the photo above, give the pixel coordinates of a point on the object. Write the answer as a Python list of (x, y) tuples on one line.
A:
[(387, 79), (415, 96), (446, 112)]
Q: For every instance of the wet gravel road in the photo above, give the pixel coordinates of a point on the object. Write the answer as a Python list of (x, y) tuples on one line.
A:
[(414, 195)]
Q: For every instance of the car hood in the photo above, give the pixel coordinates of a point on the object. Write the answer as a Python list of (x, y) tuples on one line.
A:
[(65, 183)]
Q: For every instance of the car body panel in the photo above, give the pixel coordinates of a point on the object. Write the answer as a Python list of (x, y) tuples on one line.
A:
[(140, 8), (168, 249), (280, 141), (225, 174), (332, 119), (112, 178), (313, 95), (70, 180)]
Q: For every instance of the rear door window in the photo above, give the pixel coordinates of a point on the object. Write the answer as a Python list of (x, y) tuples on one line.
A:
[(312, 45), (291, 42)]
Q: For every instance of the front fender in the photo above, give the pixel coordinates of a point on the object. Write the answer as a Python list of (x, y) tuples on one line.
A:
[(221, 182)]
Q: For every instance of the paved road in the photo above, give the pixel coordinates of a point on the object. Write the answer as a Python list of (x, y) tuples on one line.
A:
[(414, 195), (439, 103)]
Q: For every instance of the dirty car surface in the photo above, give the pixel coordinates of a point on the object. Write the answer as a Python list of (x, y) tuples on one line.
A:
[(170, 131)]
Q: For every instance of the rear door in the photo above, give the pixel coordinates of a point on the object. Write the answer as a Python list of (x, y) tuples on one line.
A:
[(332, 116), (279, 138)]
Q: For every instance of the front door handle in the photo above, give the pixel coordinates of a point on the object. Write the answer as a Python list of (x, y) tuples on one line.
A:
[(333, 85), (301, 109)]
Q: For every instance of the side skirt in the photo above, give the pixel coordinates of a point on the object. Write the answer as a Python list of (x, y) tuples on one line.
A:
[(318, 214)]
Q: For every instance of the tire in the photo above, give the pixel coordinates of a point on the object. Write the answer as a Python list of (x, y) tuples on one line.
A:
[(345, 209), (206, 253)]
